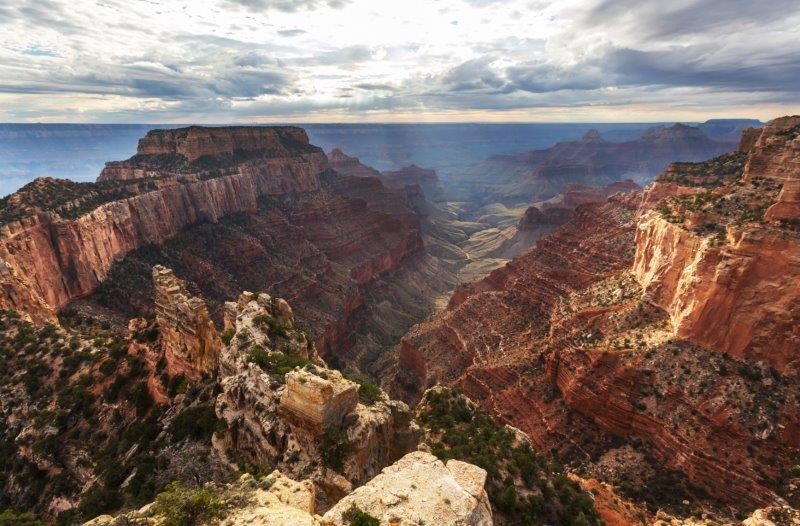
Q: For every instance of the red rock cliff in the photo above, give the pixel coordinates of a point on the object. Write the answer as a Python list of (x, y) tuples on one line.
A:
[(656, 326), (63, 259)]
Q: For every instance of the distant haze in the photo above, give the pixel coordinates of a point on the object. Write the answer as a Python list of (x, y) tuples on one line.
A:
[(79, 152)]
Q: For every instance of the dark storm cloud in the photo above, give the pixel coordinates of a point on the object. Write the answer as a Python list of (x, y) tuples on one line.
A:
[(287, 6), (693, 67), (473, 75)]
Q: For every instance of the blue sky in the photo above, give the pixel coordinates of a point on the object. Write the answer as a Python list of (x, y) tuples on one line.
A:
[(412, 60)]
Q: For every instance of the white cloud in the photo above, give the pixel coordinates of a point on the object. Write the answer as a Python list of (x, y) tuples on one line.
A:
[(243, 60)]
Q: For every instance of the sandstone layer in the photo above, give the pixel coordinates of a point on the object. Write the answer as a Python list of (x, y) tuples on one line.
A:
[(189, 339), (667, 321), (64, 259)]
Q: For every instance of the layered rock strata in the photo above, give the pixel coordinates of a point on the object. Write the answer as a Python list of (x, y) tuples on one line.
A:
[(668, 320), (189, 339), (298, 416), (736, 290), (64, 259)]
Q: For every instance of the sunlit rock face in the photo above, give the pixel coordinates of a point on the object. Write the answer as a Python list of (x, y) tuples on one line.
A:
[(417, 489), (668, 318), (283, 406), (189, 338), (63, 259)]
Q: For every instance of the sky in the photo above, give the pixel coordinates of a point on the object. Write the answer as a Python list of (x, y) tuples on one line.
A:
[(220, 61)]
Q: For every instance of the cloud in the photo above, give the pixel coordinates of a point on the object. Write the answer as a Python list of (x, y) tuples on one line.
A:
[(247, 59), (291, 32), (662, 19), (287, 6)]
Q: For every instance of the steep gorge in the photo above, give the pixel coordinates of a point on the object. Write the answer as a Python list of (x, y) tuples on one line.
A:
[(661, 326)]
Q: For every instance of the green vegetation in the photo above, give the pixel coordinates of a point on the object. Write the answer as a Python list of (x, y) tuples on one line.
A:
[(181, 506), (523, 485), (368, 392), (276, 364), (227, 335), (356, 517), (334, 449), (709, 174), (9, 518), (273, 327), (197, 422)]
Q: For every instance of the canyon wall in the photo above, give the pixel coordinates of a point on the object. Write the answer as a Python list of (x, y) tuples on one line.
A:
[(61, 260), (189, 339), (665, 321), (733, 295)]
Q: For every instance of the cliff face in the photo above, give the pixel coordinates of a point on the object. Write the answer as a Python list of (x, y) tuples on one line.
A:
[(214, 204), (667, 321), (63, 259), (728, 276), (180, 150), (189, 339), (412, 175)]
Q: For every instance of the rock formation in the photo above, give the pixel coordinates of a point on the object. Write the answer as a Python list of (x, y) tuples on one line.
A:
[(727, 277), (591, 160), (343, 163), (63, 259), (411, 175), (189, 339), (421, 489), (667, 319), (417, 489), (283, 405)]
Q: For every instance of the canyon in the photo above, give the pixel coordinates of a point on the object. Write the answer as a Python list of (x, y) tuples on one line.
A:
[(592, 160), (642, 342), (662, 325)]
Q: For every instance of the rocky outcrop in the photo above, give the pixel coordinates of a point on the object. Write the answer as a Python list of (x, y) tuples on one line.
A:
[(283, 405), (189, 339), (343, 163), (60, 259), (534, 218), (734, 291), (734, 297), (578, 194), (421, 489), (413, 175), (417, 489), (163, 151), (317, 403)]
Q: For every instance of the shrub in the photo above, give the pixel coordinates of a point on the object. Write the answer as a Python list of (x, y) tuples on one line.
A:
[(99, 500), (273, 326), (227, 335), (277, 364), (356, 517), (181, 506), (334, 449), (198, 422), (368, 392), (9, 518)]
